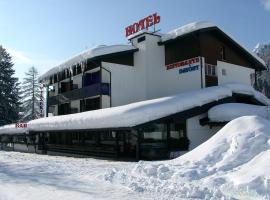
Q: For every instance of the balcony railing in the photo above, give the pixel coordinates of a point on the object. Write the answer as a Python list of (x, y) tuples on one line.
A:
[(89, 91)]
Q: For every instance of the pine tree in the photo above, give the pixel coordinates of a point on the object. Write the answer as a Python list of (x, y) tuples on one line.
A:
[(30, 90), (263, 78), (9, 90)]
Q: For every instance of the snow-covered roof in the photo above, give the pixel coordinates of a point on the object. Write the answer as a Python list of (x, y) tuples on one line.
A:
[(140, 112), (11, 129), (195, 26), (229, 111), (83, 56), (188, 28)]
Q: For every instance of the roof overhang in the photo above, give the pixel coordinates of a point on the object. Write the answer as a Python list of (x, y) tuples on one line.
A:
[(259, 62)]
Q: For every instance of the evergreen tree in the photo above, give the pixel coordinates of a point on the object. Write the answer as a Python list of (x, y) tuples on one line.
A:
[(263, 78), (30, 90), (9, 90)]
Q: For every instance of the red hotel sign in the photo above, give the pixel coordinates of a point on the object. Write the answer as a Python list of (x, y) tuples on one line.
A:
[(144, 23)]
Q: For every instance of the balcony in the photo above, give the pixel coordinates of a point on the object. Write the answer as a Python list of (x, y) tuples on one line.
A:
[(88, 91)]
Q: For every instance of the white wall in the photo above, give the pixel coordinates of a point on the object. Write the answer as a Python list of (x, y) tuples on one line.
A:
[(159, 81), (20, 147), (125, 84), (234, 73), (75, 104), (198, 134), (105, 100), (53, 110), (77, 80)]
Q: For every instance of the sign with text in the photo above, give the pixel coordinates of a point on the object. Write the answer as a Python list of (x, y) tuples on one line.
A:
[(142, 24), (21, 125), (41, 101), (185, 66)]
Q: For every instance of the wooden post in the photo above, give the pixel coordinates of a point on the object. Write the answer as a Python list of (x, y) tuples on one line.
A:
[(138, 145), (116, 144)]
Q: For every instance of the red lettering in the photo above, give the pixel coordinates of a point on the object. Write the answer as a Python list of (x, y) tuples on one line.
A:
[(182, 63), (135, 27), (129, 30), (156, 18), (149, 21), (141, 23)]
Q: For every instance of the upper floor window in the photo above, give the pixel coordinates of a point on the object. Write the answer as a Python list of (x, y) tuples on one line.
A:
[(222, 54)]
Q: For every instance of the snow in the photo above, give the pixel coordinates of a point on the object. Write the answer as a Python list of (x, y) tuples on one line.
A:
[(195, 26), (188, 28), (249, 90), (11, 129), (82, 57), (233, 164), (229, 111), (131, 115)]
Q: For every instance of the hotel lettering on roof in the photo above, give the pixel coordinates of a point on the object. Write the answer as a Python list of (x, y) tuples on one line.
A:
[(131, 81)]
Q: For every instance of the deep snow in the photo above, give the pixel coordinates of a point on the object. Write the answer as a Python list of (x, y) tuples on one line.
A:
[(229, 111), (233, 164)]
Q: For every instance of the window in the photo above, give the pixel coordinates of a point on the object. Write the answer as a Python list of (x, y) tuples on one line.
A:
[(141, 39), (224, 73), (178, 136), (89, 104), (210, 70), (222, 53), (155, 132)]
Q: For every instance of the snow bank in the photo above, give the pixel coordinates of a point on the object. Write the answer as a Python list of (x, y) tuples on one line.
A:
[(233, 163), (229, 111), (195, 26), (90, 53)]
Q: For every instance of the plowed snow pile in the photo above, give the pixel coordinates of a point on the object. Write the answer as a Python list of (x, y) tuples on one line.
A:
[(234, 163)]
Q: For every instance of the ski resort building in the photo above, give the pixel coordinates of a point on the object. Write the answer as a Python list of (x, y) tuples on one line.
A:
[(146, 100)]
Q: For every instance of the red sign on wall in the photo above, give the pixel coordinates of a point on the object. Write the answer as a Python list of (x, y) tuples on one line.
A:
[(21, 125), (144, 23)]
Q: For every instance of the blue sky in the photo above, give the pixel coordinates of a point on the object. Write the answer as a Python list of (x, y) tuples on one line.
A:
[(44, 33)]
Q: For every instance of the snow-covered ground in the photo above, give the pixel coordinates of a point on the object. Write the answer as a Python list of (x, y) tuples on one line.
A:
[(233, 164)]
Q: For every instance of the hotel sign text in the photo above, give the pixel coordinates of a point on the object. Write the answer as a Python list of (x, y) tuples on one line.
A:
[(144, 23)]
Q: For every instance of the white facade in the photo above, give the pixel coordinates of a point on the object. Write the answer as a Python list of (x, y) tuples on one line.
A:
[(228, 73)]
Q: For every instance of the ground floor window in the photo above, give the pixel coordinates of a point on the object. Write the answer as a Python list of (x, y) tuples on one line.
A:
[(155, 133), (178, 136)]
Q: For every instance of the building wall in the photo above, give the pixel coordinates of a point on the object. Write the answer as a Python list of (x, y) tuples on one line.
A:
[(160, 82), (105, 101), (75, 104), (77, 80), (198, 134), (233, 73), (212, 41), (126, 86)]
